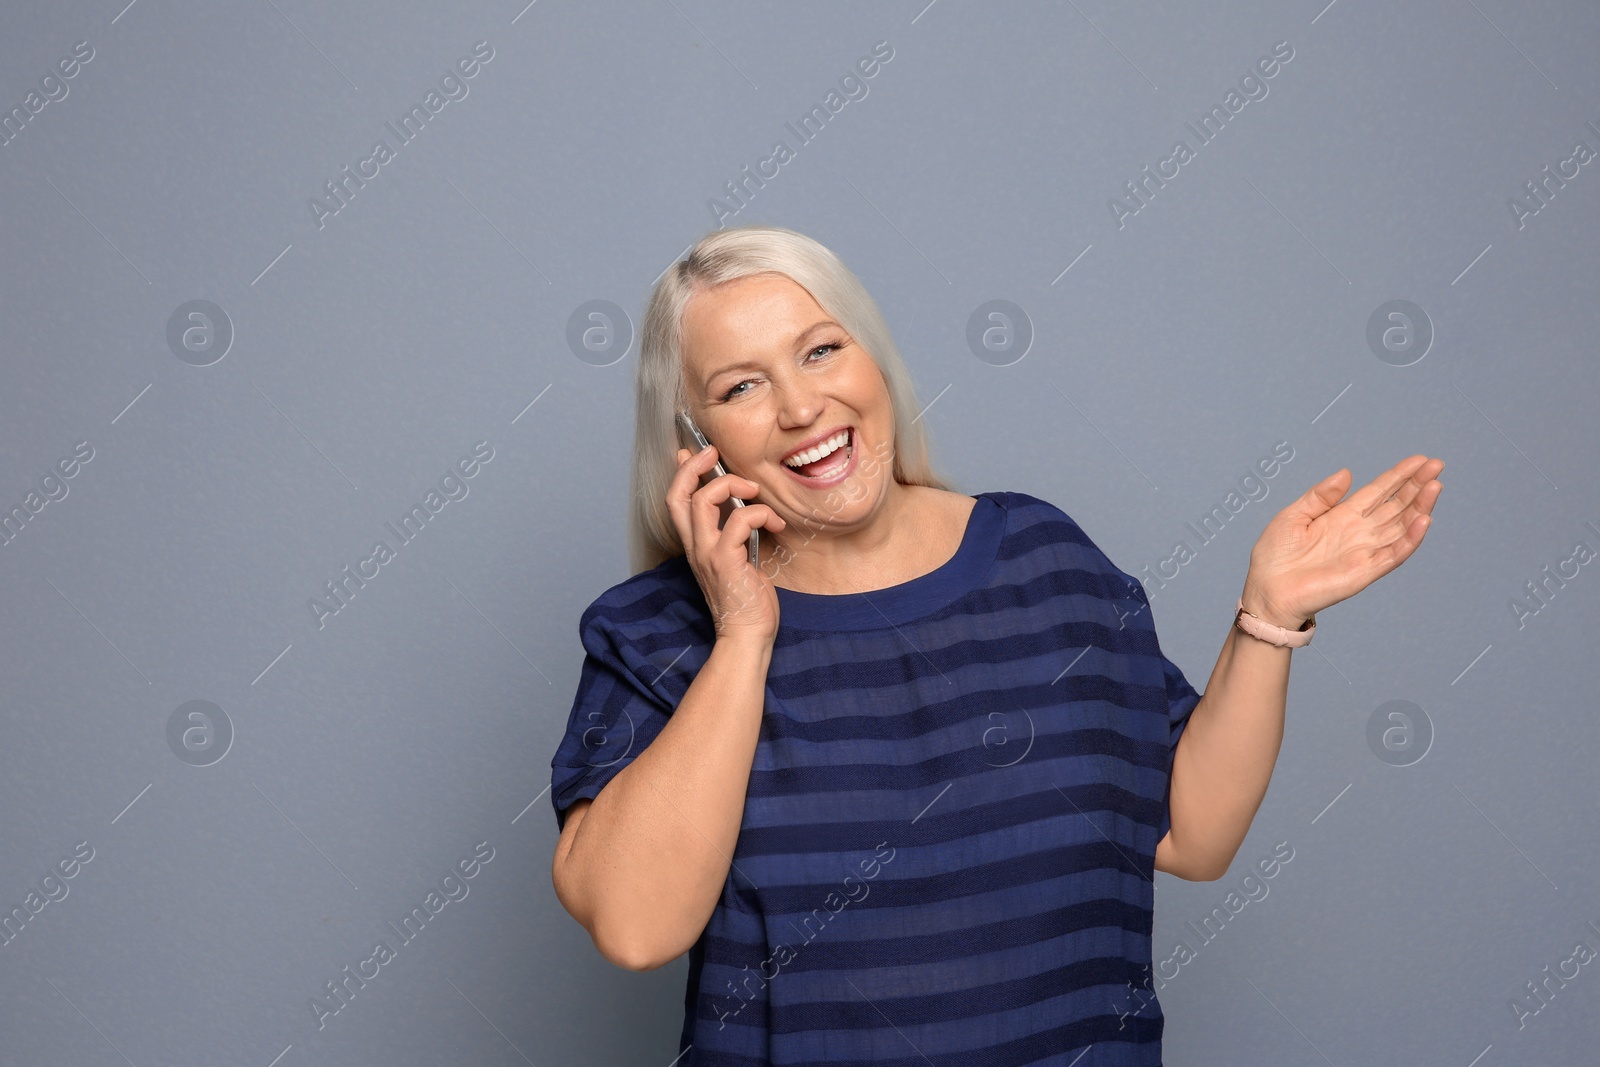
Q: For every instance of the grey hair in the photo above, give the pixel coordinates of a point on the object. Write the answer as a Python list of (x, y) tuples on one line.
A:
[(659, 387)]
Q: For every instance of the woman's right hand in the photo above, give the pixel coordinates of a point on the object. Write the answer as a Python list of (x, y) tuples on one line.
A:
[(743, 600)]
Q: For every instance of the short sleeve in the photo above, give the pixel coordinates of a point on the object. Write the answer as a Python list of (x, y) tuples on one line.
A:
[(616, 713), (1181, 701), (1181, 696)]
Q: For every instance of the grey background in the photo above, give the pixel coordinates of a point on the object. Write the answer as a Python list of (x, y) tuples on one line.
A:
[(432, 312)]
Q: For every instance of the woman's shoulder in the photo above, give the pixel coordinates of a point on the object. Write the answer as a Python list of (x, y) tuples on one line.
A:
[(669, 588), (1034, 521), (1027, 508)]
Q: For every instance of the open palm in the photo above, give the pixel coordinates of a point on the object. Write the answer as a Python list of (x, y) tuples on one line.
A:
[(1322, 548)]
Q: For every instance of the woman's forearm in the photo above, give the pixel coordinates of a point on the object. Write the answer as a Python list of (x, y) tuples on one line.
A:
[(649, 860), (1226, 753)]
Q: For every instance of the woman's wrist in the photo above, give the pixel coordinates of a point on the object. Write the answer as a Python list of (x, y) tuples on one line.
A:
[(1260, 604), (740, 642)]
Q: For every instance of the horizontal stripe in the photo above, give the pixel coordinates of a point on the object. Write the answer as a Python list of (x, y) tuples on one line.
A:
[(816, 951), (951, 815)]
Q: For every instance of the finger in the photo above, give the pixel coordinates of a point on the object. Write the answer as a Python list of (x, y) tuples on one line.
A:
[(1396, 508), (681, 485), (1384, 485), (1317, 500), (680, 491), (1424, 476), (1400, 551), (705, 505), (1429, 496), (1392, 516), (1388, 511), (1376, 492), (1418, 481), (740, 587), (750, 517)]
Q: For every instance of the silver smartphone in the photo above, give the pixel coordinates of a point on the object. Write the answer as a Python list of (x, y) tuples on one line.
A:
[(694, 440)]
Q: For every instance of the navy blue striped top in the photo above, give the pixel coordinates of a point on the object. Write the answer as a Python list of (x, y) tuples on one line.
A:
[(948, 840)]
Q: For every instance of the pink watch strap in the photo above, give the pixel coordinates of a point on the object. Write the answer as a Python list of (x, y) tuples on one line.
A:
[(1271, 633)]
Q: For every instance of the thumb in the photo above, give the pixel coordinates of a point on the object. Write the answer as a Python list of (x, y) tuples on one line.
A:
[(1324, 495)]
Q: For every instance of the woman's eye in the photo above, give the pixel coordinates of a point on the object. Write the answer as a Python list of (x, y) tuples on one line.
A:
[(736, 390)]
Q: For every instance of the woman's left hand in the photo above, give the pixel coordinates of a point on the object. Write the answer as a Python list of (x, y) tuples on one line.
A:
[(1322, 549)]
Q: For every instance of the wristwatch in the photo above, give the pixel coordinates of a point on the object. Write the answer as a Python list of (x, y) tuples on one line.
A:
[(1271, 633)]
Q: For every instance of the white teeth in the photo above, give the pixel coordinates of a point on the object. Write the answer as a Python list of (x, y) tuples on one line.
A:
[(811, 455)]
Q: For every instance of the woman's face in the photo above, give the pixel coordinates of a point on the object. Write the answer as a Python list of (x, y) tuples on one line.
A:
[(767, 371)]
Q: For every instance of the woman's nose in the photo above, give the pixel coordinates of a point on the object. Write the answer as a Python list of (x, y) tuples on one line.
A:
[(799, 403)]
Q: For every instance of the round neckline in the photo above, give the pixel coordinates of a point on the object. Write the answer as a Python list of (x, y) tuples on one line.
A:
[(912, 599)]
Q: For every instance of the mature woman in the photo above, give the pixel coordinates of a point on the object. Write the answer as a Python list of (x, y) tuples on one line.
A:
[(900, 788)]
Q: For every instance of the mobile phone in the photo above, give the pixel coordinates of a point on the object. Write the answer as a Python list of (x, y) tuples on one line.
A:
[(694, 440)]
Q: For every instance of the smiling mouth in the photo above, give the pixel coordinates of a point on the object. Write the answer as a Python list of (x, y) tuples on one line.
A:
[(829, 464)]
